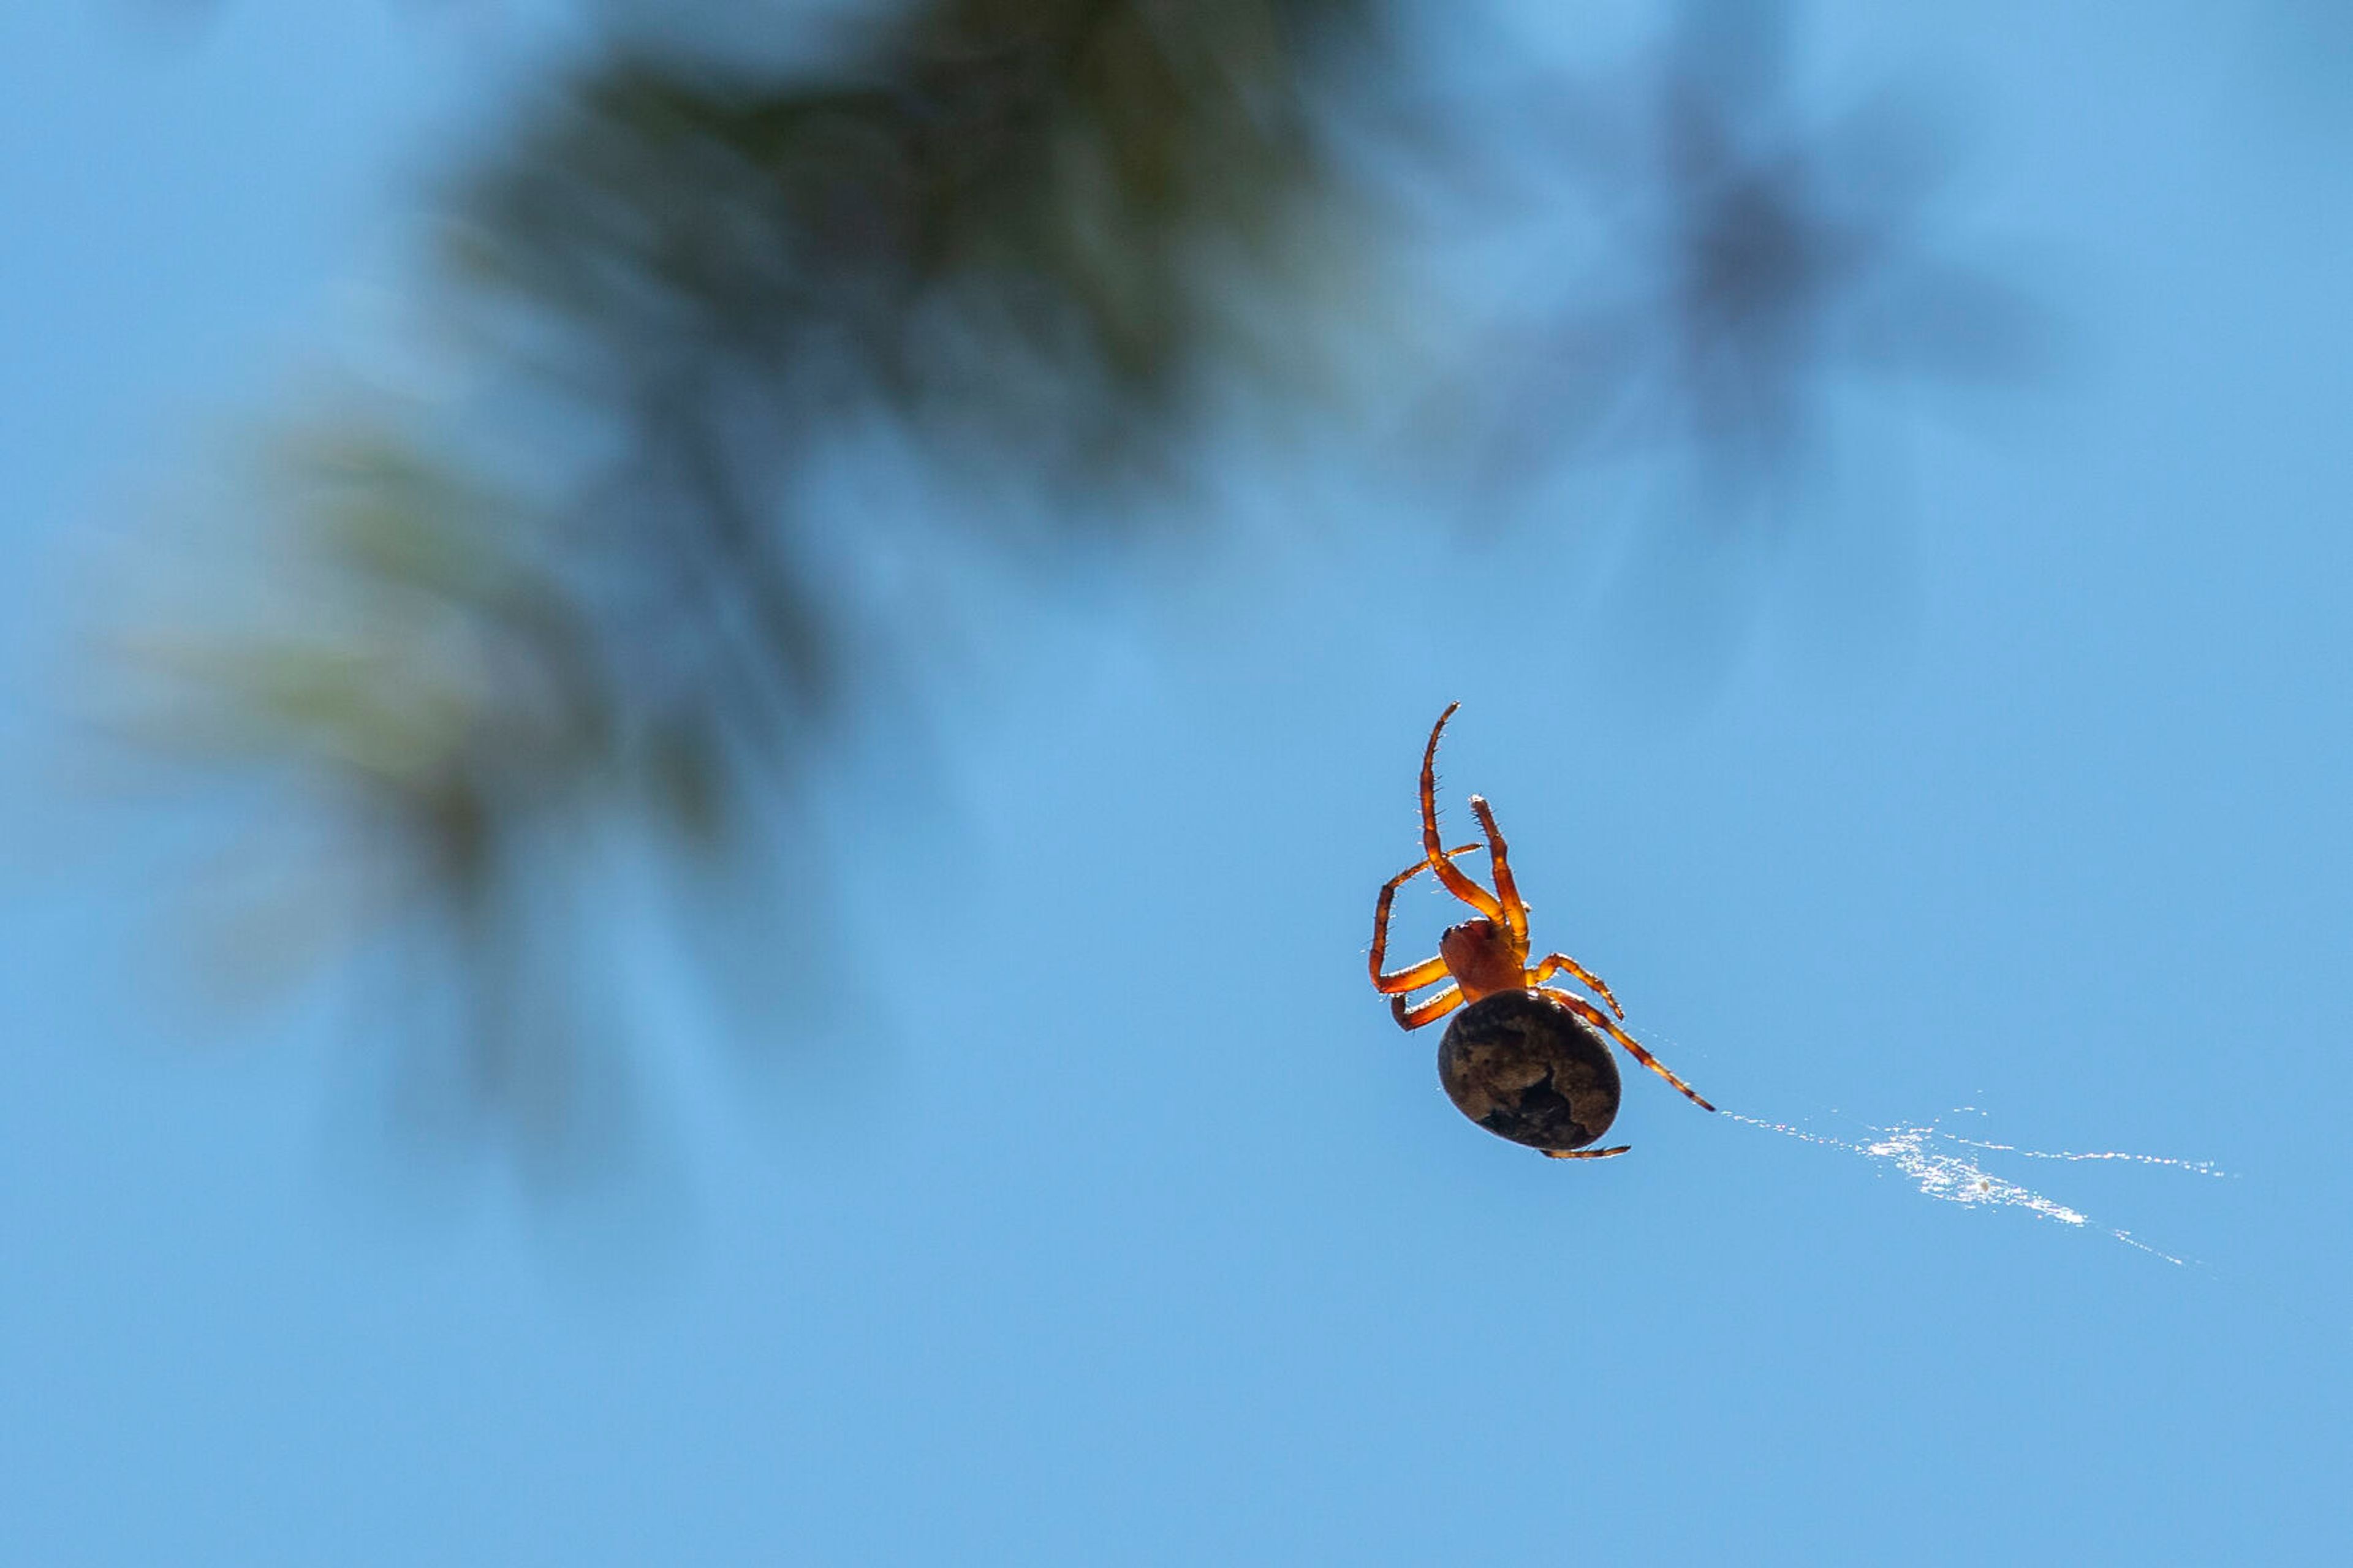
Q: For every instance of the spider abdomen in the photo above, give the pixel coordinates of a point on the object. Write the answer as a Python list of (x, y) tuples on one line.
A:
[(1526, 1068)]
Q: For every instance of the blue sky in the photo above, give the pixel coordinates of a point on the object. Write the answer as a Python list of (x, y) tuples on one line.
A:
[(1115, 1221)]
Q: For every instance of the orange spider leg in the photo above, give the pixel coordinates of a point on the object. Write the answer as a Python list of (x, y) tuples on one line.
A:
[(1583, 1154), (1602, 1021), (1420, 974), (1507, 892), (1431, 1009), (1461, 885), (1555, 962)]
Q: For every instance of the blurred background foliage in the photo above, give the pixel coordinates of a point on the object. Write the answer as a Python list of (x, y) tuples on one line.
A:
[(1751, 243), (1038, 249)]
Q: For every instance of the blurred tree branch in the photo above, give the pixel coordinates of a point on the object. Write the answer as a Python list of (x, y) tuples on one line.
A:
[(599, 589)]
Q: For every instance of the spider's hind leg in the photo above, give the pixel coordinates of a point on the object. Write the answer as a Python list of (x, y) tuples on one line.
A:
[(1609, 1025), (1555, 963), (1583, 1154)]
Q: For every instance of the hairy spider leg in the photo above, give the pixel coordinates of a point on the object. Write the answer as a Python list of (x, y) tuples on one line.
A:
[(1428, 1008), (1416, 976), (1461, 885), (1583, 1154), (1556, 962), (1507, 892), (1602, 1021)]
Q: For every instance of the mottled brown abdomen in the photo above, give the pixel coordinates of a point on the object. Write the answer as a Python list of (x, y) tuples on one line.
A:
[(1528, 1069)]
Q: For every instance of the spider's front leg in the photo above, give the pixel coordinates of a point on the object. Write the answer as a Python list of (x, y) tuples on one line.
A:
[(1413, 977), (1461, 885), (1498, 865), (1584, 1153), (1427, 1010)]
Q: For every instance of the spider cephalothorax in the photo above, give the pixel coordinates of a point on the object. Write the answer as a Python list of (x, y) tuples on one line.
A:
[(1519, 1061)]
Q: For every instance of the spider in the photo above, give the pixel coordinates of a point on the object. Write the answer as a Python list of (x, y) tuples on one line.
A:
[(1537, 1051)]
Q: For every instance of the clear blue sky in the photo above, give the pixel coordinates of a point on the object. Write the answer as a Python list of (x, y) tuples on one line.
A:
[(1135, 1231)]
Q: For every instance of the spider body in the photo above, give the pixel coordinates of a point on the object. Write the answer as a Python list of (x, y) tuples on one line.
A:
[(1520, 1060), (1526, 1068)]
